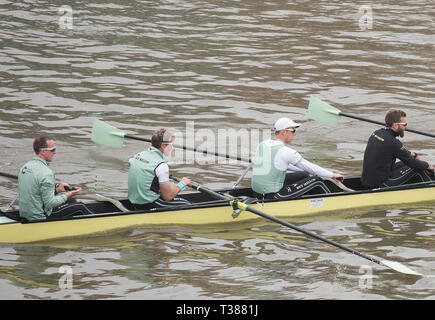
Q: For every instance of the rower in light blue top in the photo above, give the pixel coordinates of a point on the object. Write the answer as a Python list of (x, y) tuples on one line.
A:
[(148, 176), (270, 179), (40, 197)]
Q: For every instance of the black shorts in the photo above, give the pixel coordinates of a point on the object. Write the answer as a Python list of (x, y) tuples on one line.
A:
[(402, 174), (295, 185), (70, 208), (160, 203)]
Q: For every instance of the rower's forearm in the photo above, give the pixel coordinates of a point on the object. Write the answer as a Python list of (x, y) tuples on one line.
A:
[(170, 194)]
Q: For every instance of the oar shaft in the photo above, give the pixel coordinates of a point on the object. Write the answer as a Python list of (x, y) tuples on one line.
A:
[(237, 205), (192, 149), (284, 223), (243, 175), (204, 190), (311, 234), (360, 118), (13, 176), (136, 138), (211, 193), (8, 175), (383, 124)]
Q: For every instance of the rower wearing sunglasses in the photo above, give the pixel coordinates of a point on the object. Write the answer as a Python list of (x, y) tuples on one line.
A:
[(40, 197), (280, 172), (149, 184), (380, 168)]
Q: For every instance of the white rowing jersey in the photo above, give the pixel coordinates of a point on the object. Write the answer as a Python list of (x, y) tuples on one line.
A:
[(162, 172), (288, 159)]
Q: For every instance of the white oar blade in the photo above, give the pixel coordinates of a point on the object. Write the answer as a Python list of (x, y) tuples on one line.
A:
[(399, 267), (107, 135), (322, 112)]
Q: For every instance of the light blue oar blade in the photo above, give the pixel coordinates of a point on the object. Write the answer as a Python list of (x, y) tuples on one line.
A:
[(322, 112), (104, 133)]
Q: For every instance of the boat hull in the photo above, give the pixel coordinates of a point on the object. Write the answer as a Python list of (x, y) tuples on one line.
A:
[(299, 210)]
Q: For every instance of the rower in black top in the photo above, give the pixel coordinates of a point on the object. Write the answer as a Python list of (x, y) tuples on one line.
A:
[(383, 148)]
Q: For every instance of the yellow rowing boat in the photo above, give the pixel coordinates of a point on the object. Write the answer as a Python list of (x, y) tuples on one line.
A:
[(111, 215)]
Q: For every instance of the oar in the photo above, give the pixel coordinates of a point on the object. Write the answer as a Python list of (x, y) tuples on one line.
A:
[(238, 205), (106, 134), (8, 175), (243, 175), (325, 113), (13, 176)]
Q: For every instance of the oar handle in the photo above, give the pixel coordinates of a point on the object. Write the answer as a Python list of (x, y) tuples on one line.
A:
[(383, 124), (192, 149)]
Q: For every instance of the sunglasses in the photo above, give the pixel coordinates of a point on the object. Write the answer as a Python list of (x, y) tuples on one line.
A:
[(49, 149), (291, 130), (402, 123)]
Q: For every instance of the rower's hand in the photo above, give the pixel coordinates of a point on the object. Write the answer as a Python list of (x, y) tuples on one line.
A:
[(186, 181), (74, 192), (415, 156), (61, 187), (338, 177), (431, 167)]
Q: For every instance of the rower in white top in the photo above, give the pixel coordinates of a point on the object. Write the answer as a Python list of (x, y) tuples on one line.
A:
[(270, 179)]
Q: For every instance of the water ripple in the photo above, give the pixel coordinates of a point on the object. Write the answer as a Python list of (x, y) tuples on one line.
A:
[(224, 64)]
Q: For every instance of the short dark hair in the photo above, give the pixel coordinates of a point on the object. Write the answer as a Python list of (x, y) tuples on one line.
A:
[(160, 136), (393, 116), (39, 143)]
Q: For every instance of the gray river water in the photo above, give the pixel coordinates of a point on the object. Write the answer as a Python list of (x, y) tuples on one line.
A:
[(219, 73)]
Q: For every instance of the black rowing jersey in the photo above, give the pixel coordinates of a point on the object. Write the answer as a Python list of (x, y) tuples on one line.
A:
[(383, 148)]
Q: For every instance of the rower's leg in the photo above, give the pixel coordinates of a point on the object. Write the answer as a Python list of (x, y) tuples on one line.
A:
[(426, 175), (295, 177), (403, 174), (69, 209), (302, 187), (173, 203)]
